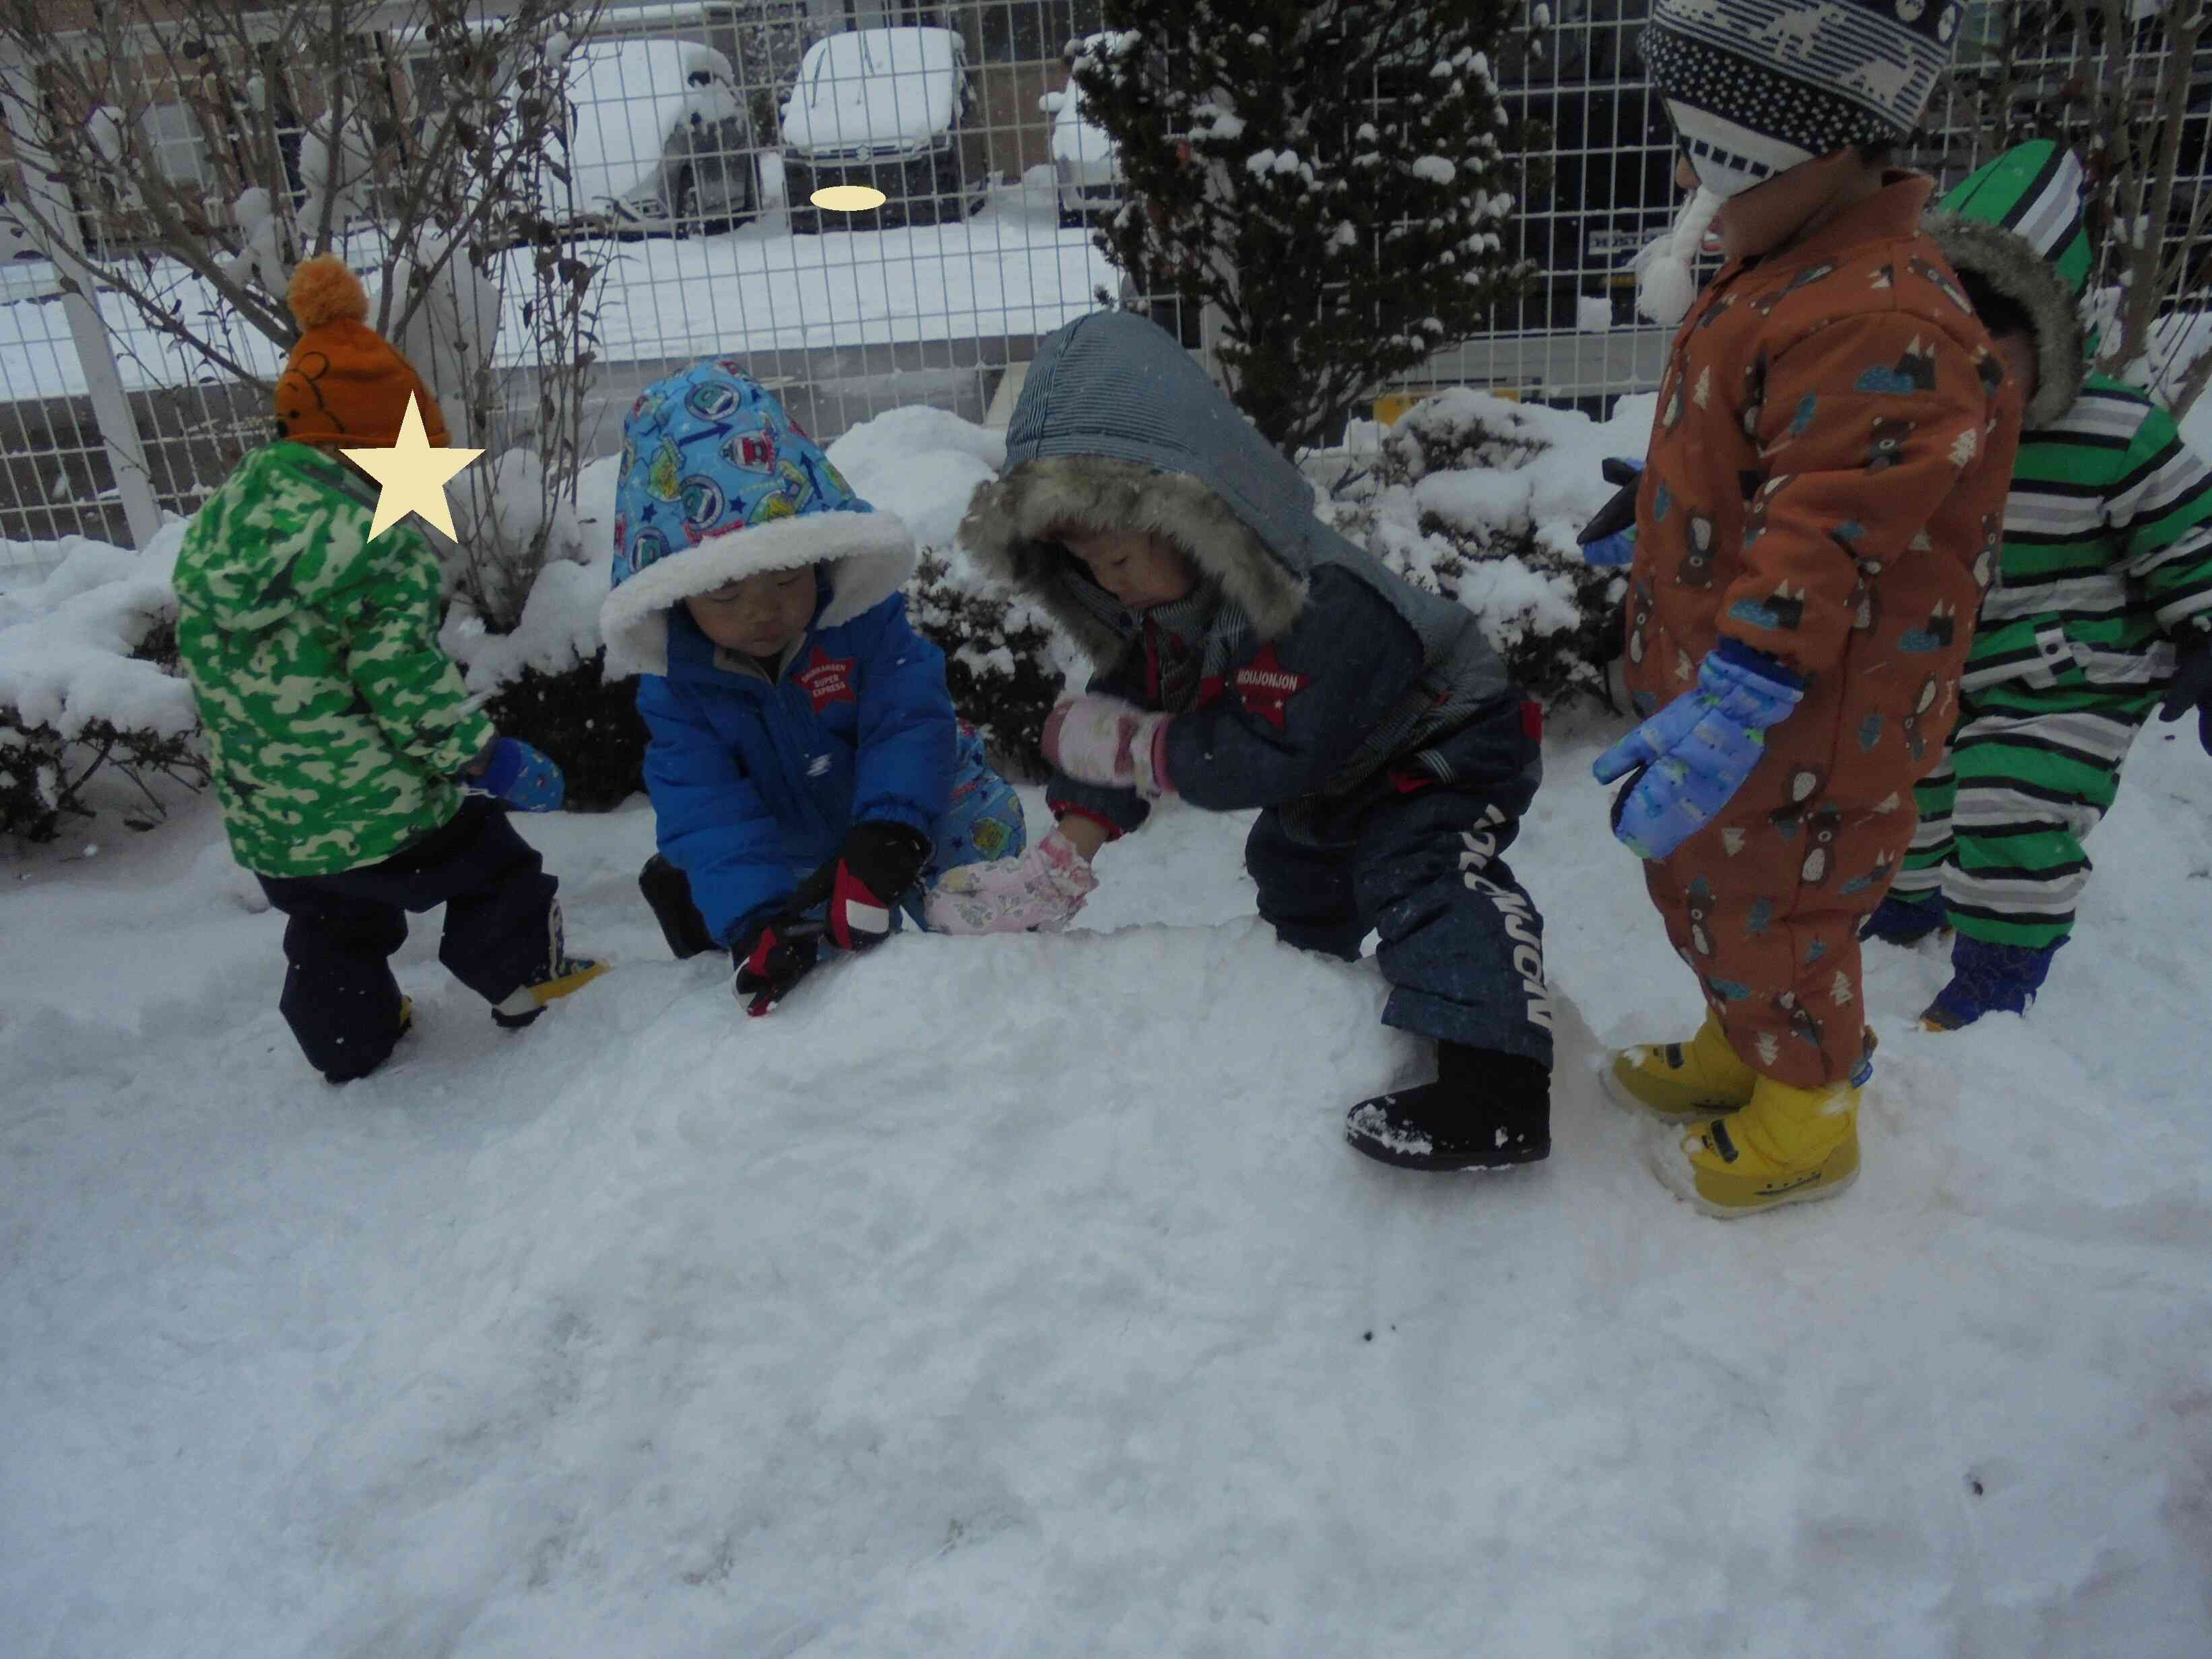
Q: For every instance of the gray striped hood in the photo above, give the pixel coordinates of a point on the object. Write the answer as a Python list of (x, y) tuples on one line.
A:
[(1118, 428)]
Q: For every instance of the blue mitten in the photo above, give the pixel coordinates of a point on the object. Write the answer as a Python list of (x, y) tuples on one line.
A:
[(1697, 752), (524, 778)]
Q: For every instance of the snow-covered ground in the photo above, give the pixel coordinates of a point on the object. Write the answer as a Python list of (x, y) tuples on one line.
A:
[(1010, 269), (1018, 1296)]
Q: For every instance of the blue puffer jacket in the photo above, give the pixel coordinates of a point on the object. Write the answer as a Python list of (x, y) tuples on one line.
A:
[(755, 781), (755, 784)]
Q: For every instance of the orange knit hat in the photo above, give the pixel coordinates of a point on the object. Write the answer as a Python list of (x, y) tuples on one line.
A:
[(345, 384)]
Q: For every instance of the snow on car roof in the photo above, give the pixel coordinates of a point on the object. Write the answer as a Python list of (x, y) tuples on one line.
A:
[(627, 96), (874, 89)]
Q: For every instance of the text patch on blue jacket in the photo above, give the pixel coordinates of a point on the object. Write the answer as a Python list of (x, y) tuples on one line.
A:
[(755, 782)]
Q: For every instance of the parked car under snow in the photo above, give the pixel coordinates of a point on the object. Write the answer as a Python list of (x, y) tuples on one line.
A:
[(883, 108), (1086, 164), (658, 142)]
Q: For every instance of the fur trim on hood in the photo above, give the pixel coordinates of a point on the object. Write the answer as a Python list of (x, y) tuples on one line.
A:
[(1010, 522), (870, 556), (2008, 262)]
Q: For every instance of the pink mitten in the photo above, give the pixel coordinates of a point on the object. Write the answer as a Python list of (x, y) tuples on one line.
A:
[(1106, 740), (1044, 888)]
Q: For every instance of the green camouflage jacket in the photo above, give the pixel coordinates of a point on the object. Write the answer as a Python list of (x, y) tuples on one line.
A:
[(334, 723)]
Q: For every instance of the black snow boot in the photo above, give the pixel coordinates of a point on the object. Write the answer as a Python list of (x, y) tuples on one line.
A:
[(1485, 1110), (669, 893)]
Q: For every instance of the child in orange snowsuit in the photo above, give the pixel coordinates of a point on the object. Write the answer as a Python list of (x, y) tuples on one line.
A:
[(1823, 494)]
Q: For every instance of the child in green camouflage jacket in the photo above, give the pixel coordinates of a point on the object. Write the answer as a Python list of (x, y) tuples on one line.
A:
[(338, 733)]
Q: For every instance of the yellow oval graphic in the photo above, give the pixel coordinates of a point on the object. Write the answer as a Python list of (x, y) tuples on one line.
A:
[(848, 198)]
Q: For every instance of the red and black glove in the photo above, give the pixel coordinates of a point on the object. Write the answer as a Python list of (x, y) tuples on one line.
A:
[(870, 874), (781, 954)]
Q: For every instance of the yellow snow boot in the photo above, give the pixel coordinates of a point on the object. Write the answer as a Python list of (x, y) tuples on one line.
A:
[(562, 975), (1677, 1081), (1787, 1147)]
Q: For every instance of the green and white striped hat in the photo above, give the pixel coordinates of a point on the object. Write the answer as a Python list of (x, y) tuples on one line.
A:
[(2035, 191)]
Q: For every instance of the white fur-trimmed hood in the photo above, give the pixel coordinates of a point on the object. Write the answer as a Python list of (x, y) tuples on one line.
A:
[(871, 555)]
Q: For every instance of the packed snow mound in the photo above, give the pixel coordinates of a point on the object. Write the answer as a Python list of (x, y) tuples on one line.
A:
[(1021, 1292)]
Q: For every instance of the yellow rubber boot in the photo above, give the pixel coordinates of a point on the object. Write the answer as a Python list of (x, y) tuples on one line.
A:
[(1787, 1147), (1678, 1081)]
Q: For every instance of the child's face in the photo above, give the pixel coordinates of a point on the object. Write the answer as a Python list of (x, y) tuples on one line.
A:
[(759, 616), (1136, 567), (1788, 206)]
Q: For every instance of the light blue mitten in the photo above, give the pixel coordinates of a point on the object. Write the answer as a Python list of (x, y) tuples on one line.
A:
[(1696, 752)]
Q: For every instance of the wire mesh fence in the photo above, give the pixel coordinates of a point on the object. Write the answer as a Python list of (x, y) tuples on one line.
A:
[(701, 131)]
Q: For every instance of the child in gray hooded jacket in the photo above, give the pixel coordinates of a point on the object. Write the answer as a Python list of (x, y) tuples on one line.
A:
[(1248, 656)]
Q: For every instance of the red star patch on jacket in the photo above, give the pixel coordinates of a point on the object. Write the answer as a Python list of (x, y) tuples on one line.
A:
[(826, 679), (1265, 687)]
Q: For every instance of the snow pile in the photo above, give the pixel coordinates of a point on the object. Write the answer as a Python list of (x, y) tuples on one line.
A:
[(1005, 663), (922, 464), (69, 646), (1018, 1295), (1480, 498), (89, 684), (1089, 155), (74, 564), (558, 632)]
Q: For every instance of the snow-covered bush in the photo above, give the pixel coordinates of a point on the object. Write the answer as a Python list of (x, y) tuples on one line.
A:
[(89, 684), (1003, 662), (1481, 499), (999, 660), (513, 527), (542, 681)]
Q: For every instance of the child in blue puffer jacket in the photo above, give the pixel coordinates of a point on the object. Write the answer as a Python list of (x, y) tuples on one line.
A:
[(807, 773)]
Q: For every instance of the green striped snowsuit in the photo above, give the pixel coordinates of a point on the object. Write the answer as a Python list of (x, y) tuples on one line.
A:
[(2104, 573)]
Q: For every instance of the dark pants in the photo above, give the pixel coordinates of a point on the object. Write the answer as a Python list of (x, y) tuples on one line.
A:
[(1461, 944), (340, 998)]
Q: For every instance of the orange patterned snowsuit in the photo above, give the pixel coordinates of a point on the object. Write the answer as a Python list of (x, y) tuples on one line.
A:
[(1826, 484)]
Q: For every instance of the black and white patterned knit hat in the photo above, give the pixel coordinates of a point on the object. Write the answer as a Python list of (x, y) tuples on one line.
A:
[(1756, 87)]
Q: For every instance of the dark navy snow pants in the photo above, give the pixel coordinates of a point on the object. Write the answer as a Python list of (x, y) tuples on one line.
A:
[(1461, 944), (340, 998)]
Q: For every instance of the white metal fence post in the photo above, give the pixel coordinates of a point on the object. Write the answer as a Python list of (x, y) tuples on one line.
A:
[(111, 404)]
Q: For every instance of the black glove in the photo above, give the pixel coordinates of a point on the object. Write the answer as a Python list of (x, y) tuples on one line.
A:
[(2192, 689), (870, 874)]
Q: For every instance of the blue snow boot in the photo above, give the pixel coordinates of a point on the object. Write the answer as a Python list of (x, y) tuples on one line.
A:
[(1902, 920), (1988, 979)]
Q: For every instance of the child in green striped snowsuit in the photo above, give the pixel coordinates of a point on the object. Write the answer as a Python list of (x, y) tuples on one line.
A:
[(2097, 602)]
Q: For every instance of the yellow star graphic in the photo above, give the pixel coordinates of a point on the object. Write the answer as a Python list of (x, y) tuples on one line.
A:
[(413, 474)]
